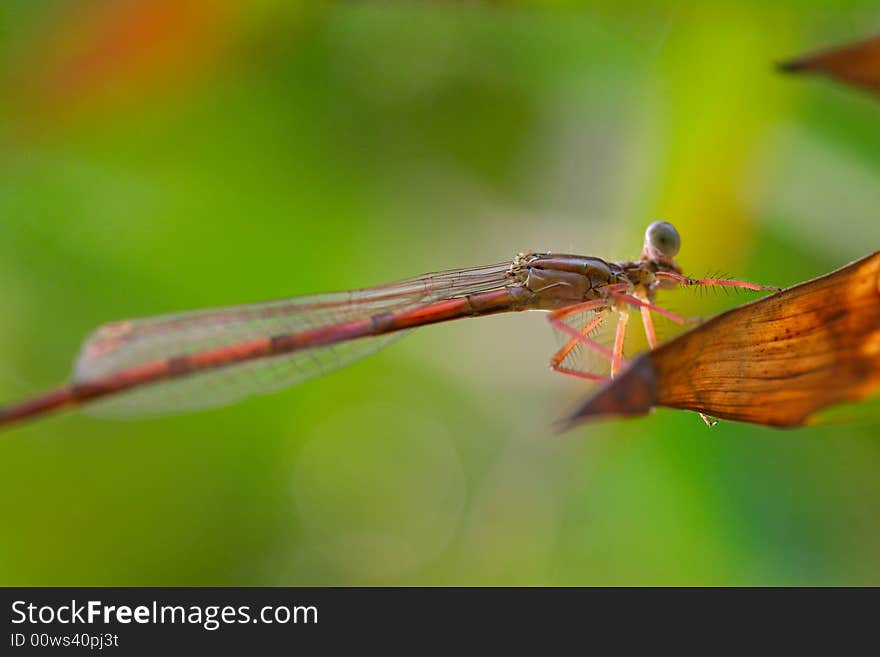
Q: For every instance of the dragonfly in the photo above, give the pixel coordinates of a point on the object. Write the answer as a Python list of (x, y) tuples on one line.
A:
[(202, 359)]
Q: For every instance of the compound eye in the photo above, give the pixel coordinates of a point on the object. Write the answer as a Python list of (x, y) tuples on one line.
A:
[(663, 238)]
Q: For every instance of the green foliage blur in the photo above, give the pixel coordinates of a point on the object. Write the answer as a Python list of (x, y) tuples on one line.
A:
[(169, 155)]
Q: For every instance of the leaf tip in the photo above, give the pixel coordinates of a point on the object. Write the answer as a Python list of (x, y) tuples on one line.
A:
[(634, 392)]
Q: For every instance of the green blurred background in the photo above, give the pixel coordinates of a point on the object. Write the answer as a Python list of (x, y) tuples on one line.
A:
[(175, 154)]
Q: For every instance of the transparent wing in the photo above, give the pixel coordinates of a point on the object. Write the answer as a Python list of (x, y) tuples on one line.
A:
[(122, 345), (227, 385)]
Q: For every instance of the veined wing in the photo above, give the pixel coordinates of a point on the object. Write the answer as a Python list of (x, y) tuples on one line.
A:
[(115, 347)]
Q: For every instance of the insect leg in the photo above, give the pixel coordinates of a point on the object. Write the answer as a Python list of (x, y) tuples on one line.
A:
[(557, 359), (650, 306), (617, 359), (562, 313), (577, 374), (719, 282), (650, 331), (579, 337), (588, 328), (710, 421)]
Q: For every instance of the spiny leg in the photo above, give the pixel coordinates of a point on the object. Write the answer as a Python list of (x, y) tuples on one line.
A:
[(595, 304), (717, 282), (557, 359), (580, 375), (579, 337), (644, 305), (582, 336), (650, 331), (619, 336), (592, 344)]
